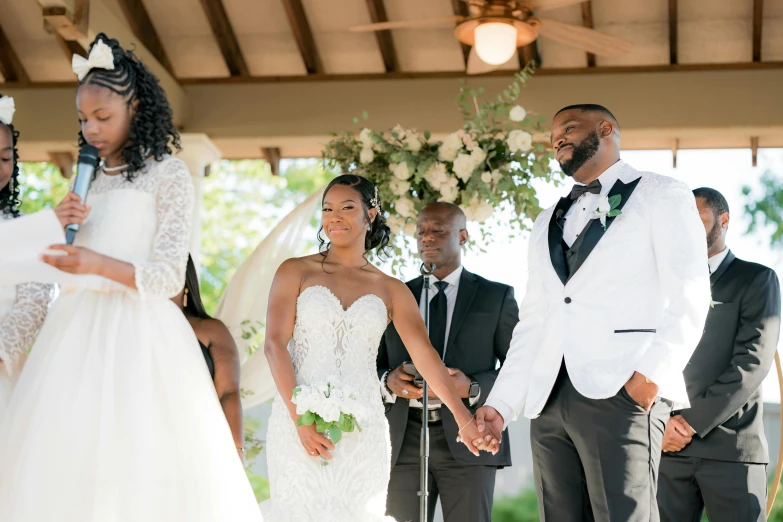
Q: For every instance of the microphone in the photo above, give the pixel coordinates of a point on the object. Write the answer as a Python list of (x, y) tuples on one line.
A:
[(87, 163), (427, 270)]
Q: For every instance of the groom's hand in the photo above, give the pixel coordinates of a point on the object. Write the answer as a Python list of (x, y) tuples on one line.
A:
[(642, 390), (401, 384), (490, 425)]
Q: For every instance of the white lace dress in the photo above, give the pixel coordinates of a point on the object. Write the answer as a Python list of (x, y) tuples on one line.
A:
[(22, 312), (115, 417), (329, 340)]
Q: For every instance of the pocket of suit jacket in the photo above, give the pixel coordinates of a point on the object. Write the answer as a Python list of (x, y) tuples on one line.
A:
[(627, 396)]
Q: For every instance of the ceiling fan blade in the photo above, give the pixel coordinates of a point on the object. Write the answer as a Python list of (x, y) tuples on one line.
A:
[(547, 5), (476, 65), (580, 37), (407, 24)]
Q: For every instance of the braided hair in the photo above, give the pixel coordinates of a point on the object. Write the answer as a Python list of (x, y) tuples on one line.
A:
[(152, 131), (9, 195)]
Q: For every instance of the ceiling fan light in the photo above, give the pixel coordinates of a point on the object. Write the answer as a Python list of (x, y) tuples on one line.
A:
[(496, 42)]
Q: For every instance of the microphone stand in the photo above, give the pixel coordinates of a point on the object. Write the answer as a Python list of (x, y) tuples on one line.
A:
[(424, 440)]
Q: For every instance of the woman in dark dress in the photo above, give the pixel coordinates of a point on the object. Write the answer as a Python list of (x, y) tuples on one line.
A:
[(220, 353)]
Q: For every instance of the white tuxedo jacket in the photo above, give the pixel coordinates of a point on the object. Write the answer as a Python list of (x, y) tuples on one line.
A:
[(637, 300)]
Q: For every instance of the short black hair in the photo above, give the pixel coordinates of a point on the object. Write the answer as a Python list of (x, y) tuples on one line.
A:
[(454, 211), (714, 199), (591, 107)]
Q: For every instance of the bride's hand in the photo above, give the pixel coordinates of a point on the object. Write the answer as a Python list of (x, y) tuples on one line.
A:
[(314, 443), (468, 434)]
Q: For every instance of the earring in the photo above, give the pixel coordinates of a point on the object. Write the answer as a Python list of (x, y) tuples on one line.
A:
[(186, 298)]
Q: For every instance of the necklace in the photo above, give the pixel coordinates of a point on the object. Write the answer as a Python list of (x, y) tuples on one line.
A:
[(113, 169)]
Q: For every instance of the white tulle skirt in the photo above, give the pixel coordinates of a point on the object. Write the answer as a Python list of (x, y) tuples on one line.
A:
[(6, 388), (115, 419)]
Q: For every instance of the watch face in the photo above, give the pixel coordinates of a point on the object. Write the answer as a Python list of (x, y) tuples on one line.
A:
[(474, 389)]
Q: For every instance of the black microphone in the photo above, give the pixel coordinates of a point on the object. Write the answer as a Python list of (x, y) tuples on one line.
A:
[(427, 270), (85, 170)]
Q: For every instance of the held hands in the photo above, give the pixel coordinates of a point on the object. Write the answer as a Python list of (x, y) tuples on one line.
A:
[(468, 434), (314, 443), (642, 390), (76, 260), (678, 434), (490, 427), (71, 210)]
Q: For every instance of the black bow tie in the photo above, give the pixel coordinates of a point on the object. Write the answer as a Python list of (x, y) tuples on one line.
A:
[(577, 190)]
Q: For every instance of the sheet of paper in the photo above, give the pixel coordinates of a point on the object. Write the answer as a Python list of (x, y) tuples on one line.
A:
[(27, 238)]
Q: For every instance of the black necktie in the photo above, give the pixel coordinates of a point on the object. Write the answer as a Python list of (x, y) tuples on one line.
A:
[(594, 188), (438, 307)]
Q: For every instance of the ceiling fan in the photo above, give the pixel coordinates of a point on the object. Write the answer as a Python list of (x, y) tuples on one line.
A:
[(496, 28)]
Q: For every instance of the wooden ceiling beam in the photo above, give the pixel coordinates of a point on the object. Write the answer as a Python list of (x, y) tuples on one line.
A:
[(141, 26), (303, 35), (460, 8), (587, 21), (70, 47), (225, 36), (385, 40), (758, 22), (272, 156), (673, 32), (10, 65), (754, 150)]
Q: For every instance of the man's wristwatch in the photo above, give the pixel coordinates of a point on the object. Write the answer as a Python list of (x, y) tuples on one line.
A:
[(475, 389)]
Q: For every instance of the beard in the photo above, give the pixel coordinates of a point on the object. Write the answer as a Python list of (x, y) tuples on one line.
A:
[(580, 153), (714, 234)]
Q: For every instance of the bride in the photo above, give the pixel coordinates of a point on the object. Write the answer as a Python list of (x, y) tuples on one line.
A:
[(334, 307)]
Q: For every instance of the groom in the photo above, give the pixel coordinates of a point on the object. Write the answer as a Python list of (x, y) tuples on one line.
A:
[(617, 295)]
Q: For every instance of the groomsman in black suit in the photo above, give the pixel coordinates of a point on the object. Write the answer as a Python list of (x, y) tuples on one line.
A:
[(715, 452), (471, 322)]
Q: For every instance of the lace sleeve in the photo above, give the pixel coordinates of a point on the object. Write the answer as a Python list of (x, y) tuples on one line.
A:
[(20, 327), (163, 274)]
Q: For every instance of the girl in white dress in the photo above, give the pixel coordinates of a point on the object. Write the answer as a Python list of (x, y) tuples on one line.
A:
[(115, 417), (22, 307), (334, 307)]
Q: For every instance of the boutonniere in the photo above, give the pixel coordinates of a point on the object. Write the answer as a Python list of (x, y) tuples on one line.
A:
[(607, 207)]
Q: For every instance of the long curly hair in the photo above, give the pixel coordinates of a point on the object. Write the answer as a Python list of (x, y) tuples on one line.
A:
[(379, 234), (152, 131), (9, 195)]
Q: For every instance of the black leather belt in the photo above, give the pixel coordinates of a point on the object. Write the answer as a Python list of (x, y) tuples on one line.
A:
[(416, 413)]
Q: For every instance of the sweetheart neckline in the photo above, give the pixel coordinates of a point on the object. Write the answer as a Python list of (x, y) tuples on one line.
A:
[(340, 303)]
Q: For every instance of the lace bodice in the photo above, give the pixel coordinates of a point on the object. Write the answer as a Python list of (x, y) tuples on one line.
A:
[(331, 340), (22, 312), (145, 222)]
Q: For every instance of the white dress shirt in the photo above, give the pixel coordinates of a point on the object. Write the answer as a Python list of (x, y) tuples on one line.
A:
[(715, 261), (581, 211), (451, 300)]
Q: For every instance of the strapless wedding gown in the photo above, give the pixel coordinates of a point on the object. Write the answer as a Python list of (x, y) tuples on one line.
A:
[(330, 340)]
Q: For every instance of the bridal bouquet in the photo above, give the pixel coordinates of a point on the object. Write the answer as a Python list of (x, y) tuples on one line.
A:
[(331, 407), (485, 166)]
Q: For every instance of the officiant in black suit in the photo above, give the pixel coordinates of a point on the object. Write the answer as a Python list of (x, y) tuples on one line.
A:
[(715, 451), (471, 322)]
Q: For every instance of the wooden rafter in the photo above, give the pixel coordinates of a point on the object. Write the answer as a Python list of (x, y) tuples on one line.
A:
[(140, 24), (303, 35), (758, 22), (272, 156), (754, 150), (672, 32), (675, 148), (384, 38), (70, 26), (460, 8), (587, 21), (70, 47), (10, 66), (225, 36), (64, 161)]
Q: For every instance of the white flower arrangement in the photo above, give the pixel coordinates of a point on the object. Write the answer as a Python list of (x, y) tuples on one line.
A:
[(487, 164), (332, 407)]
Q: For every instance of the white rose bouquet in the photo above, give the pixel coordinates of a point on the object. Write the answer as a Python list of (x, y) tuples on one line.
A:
[(332, 407)]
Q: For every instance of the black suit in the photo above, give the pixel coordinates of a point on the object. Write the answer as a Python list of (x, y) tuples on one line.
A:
[(485, 314), (724, 465)]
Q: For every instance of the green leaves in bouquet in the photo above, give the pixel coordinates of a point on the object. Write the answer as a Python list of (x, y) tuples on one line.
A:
[(335, 433), (308, 419)]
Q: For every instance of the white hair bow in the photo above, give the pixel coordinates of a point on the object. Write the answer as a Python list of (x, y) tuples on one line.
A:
[(100, 57), (7, 109)]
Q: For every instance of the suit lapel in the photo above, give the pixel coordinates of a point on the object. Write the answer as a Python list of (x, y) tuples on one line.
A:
[(416, 286), (467, 291), (594, 230), (556, 238), (722, 268)]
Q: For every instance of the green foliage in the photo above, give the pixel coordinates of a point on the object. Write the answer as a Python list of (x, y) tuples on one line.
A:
[(242, 202), (253, 447), (522, 508), (42, 186), (766, 210)]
